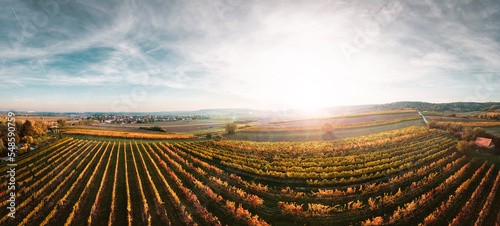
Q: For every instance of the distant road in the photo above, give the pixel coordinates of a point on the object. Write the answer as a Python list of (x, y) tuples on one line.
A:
[(425, 120)]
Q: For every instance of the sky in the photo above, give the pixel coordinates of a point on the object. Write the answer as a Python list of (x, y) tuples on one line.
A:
[(155, 55)]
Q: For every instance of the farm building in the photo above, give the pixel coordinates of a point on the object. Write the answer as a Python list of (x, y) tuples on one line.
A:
[(484, 142)]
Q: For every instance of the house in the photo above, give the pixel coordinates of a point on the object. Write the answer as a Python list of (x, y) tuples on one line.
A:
[(54, 129), (484, 142)]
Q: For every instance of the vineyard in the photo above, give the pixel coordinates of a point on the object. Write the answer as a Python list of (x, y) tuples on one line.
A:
[(410, 176), (473, 124), (118, 134), (336, 126)]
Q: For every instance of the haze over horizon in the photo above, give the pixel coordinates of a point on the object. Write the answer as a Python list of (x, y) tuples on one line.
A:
[(155, 55)]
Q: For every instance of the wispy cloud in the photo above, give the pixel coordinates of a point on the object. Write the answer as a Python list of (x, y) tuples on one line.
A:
[(263, 54)]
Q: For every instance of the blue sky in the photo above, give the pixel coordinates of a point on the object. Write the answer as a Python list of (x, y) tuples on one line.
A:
[(155, 55)]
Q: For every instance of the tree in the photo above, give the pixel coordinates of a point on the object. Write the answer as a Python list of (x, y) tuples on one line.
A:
[(496, 141), (19, 127), (28, 139), (40, 128), (468, 134), (456, 127), (453, 127), (432, 124), (28, 129), (463, 145), (327, 127), (208, 136), (231, 128), (479, 132), (23, 149), (61, 122), (4, 134), (2, 148)]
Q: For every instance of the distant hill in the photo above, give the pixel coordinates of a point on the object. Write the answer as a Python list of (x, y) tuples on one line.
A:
[(425, 106), (492, 108)]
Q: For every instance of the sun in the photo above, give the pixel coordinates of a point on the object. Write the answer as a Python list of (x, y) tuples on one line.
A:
[(303, 81), (299, 69)]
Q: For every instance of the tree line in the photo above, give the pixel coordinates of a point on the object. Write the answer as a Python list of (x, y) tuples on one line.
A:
[(425, 106), (28, 132)]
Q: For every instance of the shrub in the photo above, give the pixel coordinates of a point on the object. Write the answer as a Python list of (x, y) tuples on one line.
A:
[(327, 127), (231, 128), (464, 145)]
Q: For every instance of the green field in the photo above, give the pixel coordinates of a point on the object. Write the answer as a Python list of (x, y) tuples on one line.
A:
[(493, 130)]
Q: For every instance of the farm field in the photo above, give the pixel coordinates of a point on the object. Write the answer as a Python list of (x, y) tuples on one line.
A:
[(39, 118), (451, 119), (349, 119), (184, 127), (408, 176), (119, 134), (475, 123), (218, 123), (333, 126), (456, 119), (495, 130), (446, 113), (460, 114), (316, 134), (180, 126)]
